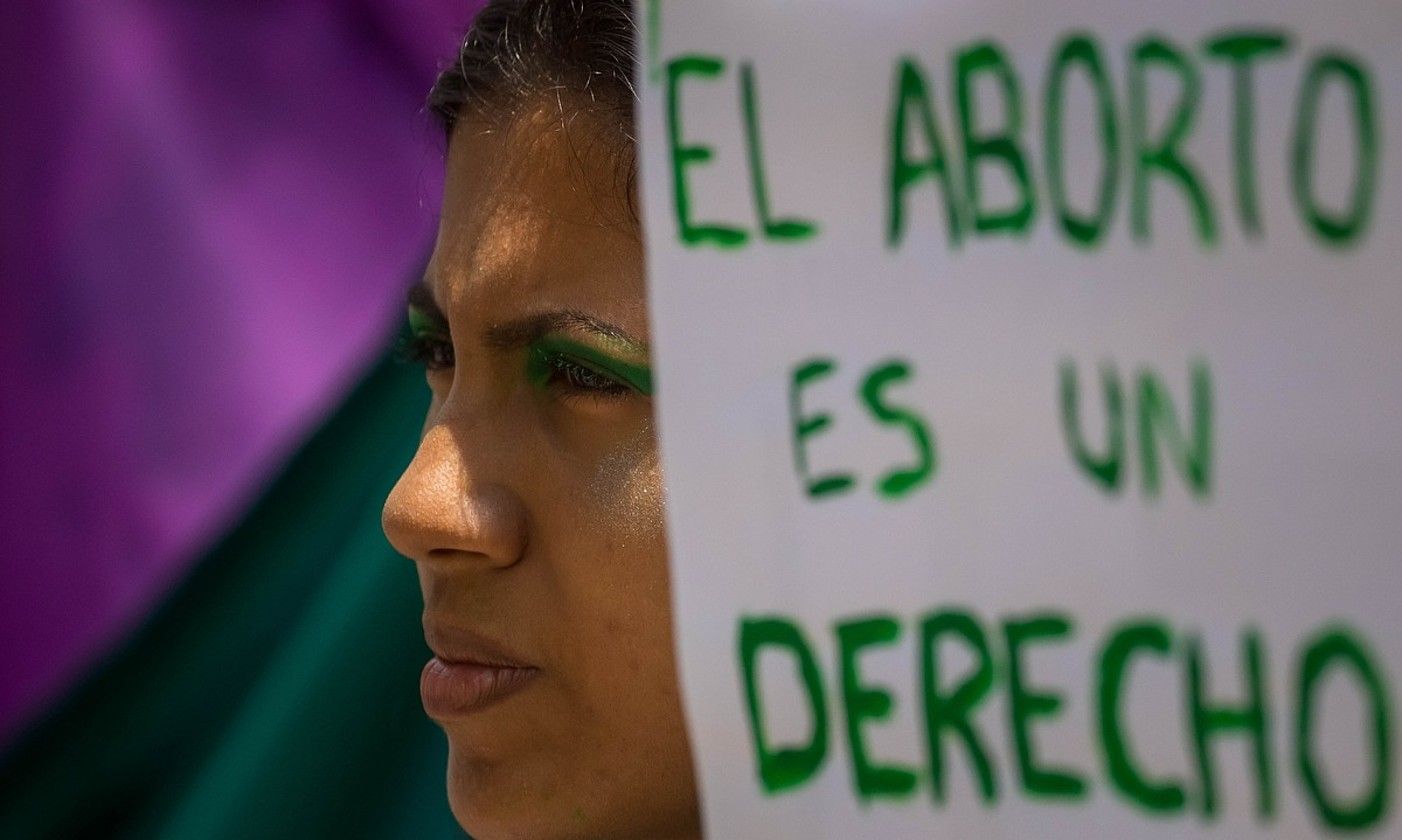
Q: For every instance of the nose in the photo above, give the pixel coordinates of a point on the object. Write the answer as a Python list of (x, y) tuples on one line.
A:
[(447, 505)]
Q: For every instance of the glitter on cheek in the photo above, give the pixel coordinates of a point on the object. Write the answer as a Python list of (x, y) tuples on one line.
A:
[(628, 484)]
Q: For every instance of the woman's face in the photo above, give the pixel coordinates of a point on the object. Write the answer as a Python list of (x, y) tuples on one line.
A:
[(533, 508)]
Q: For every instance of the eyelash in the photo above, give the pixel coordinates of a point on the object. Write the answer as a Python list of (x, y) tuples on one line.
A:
[(577, 378), (432, 352), (435, 353)]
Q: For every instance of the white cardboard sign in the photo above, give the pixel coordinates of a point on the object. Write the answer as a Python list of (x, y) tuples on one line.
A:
[(1031, 407)]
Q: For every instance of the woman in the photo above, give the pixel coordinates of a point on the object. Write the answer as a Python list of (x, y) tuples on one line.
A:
[(533, 508)]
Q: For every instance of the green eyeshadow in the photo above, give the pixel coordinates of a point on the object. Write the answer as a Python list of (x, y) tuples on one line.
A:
[(423, 323), (544, 350)]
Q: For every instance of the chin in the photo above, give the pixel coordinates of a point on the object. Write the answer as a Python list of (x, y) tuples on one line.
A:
[(495, 800), (487, 820), (506, 800), (480, 824)]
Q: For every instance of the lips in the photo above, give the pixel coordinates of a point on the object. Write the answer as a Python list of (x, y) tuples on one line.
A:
[(468, 673)]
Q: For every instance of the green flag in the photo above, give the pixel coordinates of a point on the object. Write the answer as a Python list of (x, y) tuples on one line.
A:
[(275, 693)]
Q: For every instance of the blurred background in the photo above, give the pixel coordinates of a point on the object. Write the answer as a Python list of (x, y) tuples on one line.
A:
[(211, 213)]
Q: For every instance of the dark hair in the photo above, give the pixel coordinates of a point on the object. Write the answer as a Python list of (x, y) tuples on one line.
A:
[(576, 52)]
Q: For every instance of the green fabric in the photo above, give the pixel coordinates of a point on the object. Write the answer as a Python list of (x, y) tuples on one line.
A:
[(275, 694)]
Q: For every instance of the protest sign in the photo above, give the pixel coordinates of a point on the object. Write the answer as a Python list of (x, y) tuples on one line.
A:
[(1030, 384)]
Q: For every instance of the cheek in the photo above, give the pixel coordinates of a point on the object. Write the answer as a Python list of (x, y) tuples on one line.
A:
[(638, 608), (597, 548), (626, 491), (619, 604)]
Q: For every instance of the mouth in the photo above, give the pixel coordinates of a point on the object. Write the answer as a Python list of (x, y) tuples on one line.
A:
[(467, 674)]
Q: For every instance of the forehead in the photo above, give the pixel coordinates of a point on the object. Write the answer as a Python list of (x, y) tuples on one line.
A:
[(535, 216)]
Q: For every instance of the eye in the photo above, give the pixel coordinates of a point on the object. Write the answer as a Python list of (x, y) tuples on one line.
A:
[(431, 350), (569, 368), (570, 374)]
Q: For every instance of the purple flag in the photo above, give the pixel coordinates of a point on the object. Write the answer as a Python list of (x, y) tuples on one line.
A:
[(211, 212)]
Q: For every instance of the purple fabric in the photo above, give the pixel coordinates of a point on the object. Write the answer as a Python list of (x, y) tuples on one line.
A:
[(210, 214)]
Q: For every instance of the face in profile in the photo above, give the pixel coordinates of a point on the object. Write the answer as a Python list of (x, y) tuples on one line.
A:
[(533, 507)]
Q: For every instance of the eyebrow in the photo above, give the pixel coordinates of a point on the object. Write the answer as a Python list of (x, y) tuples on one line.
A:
[(522, 332)]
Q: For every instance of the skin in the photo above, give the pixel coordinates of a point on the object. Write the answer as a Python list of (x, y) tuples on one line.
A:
[(533, 507)]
